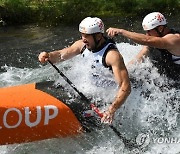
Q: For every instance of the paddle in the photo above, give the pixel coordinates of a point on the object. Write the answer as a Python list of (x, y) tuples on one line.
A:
[(70, 83), (94, 108)]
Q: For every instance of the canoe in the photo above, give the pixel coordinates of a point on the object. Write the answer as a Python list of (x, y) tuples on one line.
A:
[(38, 111)]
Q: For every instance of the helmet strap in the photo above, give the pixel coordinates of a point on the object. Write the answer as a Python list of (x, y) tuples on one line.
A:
[(96, 41), (159, 33)]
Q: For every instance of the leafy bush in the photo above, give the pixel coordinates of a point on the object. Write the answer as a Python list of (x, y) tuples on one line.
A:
[(53, 12)]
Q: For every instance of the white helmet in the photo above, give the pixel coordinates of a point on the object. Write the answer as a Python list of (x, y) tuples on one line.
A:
[(153, 20), (91, 25)]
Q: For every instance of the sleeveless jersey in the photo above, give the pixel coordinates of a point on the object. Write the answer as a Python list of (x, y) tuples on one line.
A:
[(97, 58), (168, 63)]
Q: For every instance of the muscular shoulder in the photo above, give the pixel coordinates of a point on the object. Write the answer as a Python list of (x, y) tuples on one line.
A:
[(172, 42), (113, 57), (172, 36), (169, 42)]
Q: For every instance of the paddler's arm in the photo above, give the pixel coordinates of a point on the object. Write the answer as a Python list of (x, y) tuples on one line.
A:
[(115, 60), (140, 56), (63, 54), (170, 42)]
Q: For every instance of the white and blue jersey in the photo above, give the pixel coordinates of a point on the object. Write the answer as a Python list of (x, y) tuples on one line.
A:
[(98, 63)]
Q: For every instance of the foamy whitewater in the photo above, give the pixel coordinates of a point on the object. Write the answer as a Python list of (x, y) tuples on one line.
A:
[(149, 117)]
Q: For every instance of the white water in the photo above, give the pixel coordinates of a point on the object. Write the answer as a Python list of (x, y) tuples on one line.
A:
[(151, 109)]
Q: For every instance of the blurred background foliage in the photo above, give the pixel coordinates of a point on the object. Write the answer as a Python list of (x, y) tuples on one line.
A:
[(54, 12)]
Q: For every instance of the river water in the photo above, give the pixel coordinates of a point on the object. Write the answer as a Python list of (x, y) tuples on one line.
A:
[(150, 116)]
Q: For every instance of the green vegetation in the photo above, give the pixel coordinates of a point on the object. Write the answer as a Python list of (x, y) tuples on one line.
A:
[(54, 12)]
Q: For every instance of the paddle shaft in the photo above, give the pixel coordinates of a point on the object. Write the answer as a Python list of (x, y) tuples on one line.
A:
[(70, 83), (127, 142), (92, 105)]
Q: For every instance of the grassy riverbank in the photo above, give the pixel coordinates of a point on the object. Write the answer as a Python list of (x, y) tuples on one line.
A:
[(54, 12)]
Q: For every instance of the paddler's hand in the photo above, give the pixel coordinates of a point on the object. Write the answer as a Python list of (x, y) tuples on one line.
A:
[(112, 32), (108, 116), (43, 57)]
